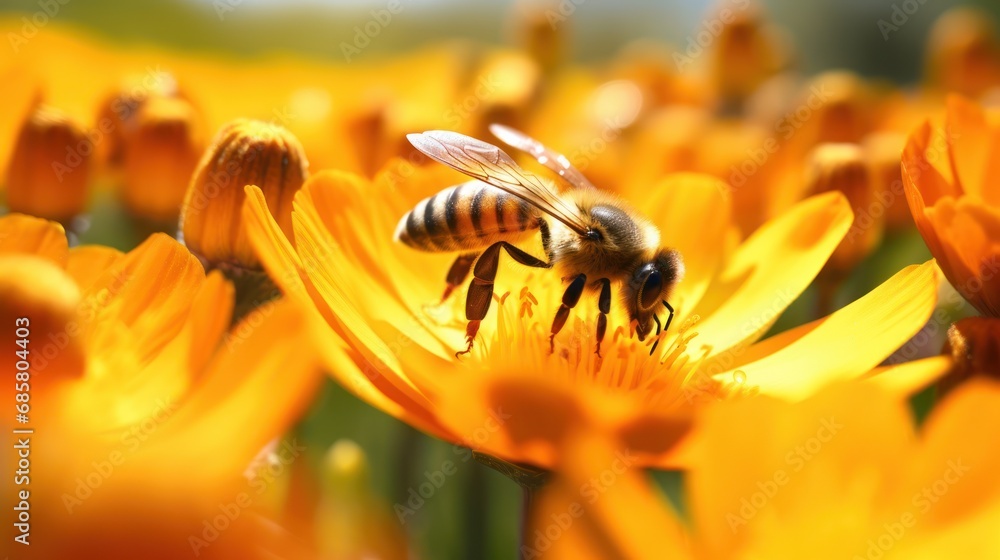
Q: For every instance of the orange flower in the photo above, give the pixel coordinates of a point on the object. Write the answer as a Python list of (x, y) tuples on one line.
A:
[(843, 474), (369, 299), (133, 381), (950, 179)]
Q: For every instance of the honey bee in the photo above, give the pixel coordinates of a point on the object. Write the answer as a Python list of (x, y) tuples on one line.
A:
[(591, 236)]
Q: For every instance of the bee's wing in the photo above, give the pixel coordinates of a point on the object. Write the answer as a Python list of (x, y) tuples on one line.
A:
[(490, 164), (545, 156)]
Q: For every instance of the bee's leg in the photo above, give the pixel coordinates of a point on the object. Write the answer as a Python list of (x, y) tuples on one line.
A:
[(604, 306), (569, 300), (656, 319), (458, 272), (669, 317), (481, 288)]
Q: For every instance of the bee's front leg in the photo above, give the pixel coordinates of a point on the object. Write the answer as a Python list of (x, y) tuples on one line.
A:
[(569, 300), (604, 307)]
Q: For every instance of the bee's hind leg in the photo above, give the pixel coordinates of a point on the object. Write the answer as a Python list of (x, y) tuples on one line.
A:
[(458, 272), (481, 288), (569, 300)]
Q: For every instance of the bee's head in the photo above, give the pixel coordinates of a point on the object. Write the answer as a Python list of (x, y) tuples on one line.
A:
[(649, 285)]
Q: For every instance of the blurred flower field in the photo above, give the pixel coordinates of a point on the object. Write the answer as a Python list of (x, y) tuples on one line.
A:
[(221, 279)]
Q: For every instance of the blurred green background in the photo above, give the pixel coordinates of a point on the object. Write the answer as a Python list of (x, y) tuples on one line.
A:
[(476, 513)]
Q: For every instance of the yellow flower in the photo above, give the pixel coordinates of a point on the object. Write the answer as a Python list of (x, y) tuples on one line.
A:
[(950, 176), (511, 398), (134, 381), (842, 475), (245, 152)]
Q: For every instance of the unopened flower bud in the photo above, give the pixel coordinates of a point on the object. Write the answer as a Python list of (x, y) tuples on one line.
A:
[(160, 155), (245, 152), (963, 53), (842, 167), (974, 345), (50, 168)]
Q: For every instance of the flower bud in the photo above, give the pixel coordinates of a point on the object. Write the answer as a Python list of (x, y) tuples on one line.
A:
[(159, 157), (245, 152), (118, 111), (974, 345), (884, 152), (746, 52), (50, 168), (842, 167), (963, 53)]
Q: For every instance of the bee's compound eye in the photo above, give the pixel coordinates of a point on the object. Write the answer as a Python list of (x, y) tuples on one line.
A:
[(651, 288)]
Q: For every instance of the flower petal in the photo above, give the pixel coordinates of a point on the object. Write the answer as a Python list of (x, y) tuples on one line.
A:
[(910, 377), (148, 292), (87, 263), (693, 214), (770, 270), (832, 350), (267, 365), (273, 249), (27, 234), (969, 149), (602, 506)]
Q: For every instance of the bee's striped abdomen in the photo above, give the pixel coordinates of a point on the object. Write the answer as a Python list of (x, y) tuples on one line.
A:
[(466, 217)]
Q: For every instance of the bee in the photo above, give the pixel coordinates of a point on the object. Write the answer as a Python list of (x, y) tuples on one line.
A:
[(593, 238)]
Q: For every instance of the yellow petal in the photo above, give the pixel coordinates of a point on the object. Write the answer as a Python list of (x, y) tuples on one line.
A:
[(256, 388), (601, 505), (87, 263), (693, 214), (366, 381), (910, 377), (969, 148), (832, 350), (273, 249), (770, 270), (26, 234), (760, 467), (148, 292), (959, 449)]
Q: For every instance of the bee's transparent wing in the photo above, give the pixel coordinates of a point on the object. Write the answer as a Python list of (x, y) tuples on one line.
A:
[(492, 165), (545, 156)]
